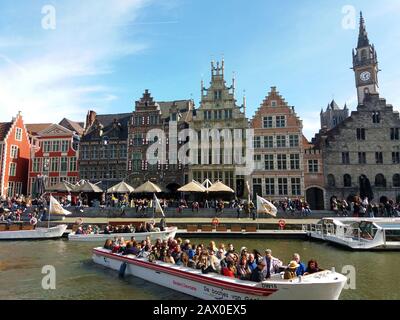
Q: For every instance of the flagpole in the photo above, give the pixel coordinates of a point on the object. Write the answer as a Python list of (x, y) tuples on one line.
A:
[(48, 221)]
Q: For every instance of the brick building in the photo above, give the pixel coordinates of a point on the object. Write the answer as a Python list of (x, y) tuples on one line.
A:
[(167, 171), (54, 156), (14, 157)]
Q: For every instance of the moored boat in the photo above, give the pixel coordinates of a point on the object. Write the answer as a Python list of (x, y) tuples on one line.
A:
[(358, 233), (324, 285), (19, 231), (169, 232)]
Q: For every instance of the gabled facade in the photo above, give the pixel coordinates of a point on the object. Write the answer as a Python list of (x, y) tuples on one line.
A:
[(14, 157), (150, 115), (278, 150), (103, 148), (55, 157)]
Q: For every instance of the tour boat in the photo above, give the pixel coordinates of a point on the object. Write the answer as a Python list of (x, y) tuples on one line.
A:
[(169, 232), (359, 233), (325, 285), (18, 231)]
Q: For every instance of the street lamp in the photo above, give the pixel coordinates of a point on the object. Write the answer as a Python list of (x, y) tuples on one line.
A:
[(105, 141)]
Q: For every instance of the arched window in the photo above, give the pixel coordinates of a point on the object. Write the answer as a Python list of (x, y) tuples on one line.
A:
[(380, 181), (376, 117), (396, 180), (347, 180), (331, 180)]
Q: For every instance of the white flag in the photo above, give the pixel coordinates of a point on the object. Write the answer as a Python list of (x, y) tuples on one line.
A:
[(266, 207), (157, 206), (56, 208)]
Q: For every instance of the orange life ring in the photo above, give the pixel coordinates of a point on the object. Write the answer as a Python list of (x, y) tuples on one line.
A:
[(282, 223), (215, 222)]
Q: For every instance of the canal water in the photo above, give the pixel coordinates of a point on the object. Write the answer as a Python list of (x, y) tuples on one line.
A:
[(78, 278)]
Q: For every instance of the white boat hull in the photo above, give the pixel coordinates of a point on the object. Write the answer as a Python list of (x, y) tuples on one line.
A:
[(326, 285), (139, 236), (36, 234)]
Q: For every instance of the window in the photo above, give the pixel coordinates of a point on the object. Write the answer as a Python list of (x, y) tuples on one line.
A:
[(54, 164), (295, 162), (283, 186), (394, 134), (122, 151), (228, 114), (347, 181), (257, 142), (396, 157), (46, 146), (136, 161), (63, 164), (280, 121), (360, 134), (273, 103), (36, 165), (267, 122), (18, 134), (56, 146), (13, 169), (46, 164), (313, 166), (376, 117), (270, 186), (345, 158), (268, 142), (293, 141), (112, 151), (207, 115), (281, 141), (281, 161), (331, 180), (64, 146), (257, 157), (396, 180), (362, 158), (296, 186), (14, 152), (53, 181), (72, 164), (380, 181), (137, 139), (94, 152), (217, 94), (379, 157), (269, 161)]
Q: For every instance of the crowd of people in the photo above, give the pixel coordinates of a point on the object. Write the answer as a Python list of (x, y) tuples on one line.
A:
[(225, 260), (359, 207), (143, 227)]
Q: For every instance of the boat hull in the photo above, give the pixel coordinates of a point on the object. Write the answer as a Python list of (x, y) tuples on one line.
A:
[(36, 234), (163, 235), (324, 286)]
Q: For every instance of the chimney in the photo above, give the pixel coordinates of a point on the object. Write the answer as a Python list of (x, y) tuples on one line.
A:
[(90, 118)]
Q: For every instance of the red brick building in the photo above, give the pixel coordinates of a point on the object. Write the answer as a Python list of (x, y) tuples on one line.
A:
[(14, 157), (55, 156)]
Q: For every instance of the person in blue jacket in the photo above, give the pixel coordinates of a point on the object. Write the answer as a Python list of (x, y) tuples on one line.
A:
[(301, 268)]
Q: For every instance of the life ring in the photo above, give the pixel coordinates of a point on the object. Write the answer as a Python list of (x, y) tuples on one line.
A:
[(79, 221), (282, 224), (215, 222), (33, 221)]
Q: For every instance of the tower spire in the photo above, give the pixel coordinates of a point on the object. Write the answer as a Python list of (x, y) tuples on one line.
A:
[(363, 40)]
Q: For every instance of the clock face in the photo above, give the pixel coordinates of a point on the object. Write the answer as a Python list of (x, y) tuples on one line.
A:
[(365, 76)]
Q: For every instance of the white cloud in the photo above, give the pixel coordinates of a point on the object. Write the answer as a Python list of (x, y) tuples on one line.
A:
[(55, 80)]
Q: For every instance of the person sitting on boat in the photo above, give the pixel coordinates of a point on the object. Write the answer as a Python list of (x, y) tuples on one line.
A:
[(107, 230), (272, 264), (213, 247), (79, 231), (243, 269), (251, 262), (290, 272), (231, 248), (176, 253), (258, 275), (168, 258), (215, 263), (184, 260), (301, 268), (229, 270), (108, 244), (312, 267)]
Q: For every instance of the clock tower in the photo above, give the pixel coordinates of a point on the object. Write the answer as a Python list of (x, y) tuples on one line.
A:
[(365, 65)]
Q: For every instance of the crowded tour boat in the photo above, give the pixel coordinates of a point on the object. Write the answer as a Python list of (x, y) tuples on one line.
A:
[(223, 279), (358, 233), (140, 233)]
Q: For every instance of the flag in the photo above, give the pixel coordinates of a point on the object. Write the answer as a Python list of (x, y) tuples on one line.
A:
[(266, 207), (56, 208), (157, 206)]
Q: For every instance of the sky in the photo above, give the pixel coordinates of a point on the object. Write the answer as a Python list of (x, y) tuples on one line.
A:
[(62, 58)]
